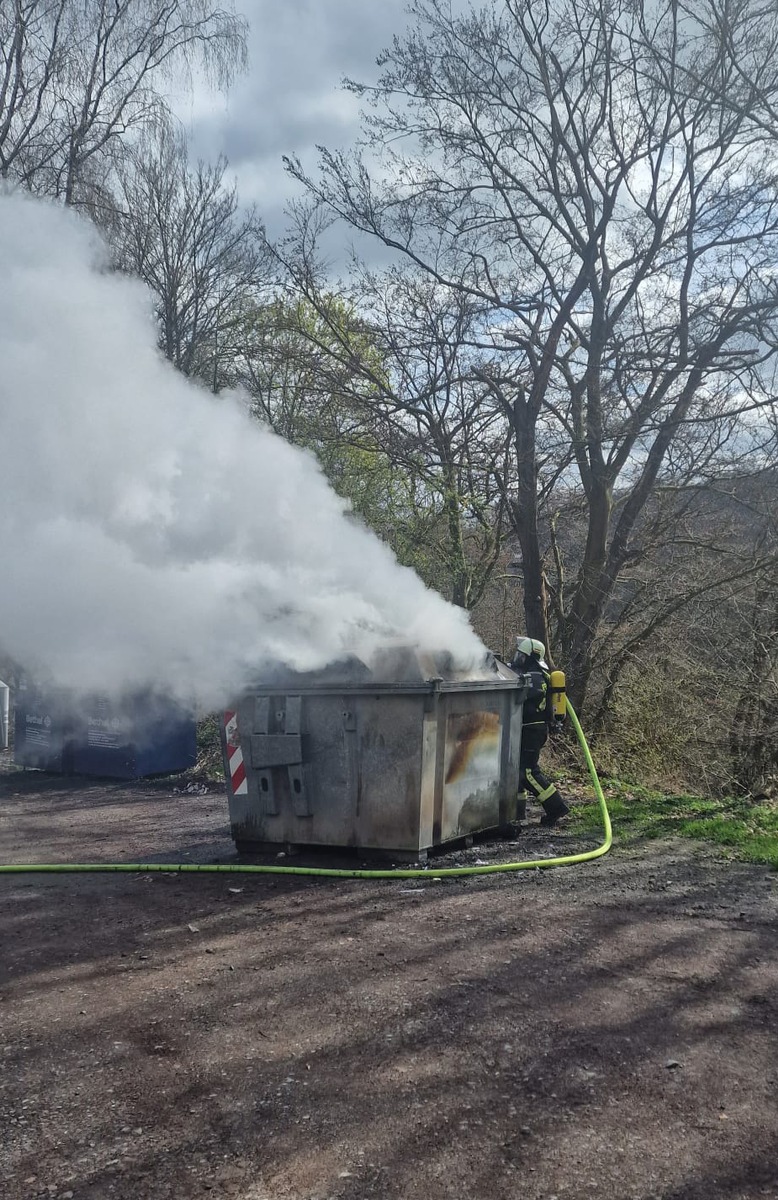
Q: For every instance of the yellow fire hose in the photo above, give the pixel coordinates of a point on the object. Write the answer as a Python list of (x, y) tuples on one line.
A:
[(342, 873)]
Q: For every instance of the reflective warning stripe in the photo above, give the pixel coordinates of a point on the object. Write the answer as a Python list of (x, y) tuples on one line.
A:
[(238, 780), (541, 792)]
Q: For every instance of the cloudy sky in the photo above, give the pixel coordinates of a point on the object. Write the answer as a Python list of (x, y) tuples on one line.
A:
[(291, 100)]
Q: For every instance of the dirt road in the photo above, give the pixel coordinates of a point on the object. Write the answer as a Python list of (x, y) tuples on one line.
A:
[(608, 1031)]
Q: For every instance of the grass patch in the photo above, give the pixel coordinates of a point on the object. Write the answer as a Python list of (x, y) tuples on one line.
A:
[(745, 828)]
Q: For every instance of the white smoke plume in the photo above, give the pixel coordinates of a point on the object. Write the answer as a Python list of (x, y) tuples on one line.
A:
[(152, 534)]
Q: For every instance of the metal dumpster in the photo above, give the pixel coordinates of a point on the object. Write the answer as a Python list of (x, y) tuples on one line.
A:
[(400, 759)]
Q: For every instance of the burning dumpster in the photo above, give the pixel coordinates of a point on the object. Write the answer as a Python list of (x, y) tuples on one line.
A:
[(400, 758)]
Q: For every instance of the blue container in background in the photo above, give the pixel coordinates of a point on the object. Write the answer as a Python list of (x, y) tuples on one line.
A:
[(43, 729), (138, 736), (131, 738)]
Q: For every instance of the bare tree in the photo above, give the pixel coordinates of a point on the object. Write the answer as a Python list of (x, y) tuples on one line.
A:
[(602, 179), (181, 231), (435, 413), (422, 399), (77, 75)]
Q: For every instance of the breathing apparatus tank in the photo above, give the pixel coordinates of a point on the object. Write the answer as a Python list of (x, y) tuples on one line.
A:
[(557, 697)]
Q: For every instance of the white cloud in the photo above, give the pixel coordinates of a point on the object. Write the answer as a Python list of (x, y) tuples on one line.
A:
[(291, 98)]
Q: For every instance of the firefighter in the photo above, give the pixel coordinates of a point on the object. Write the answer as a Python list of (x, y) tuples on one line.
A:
[(539, 717)]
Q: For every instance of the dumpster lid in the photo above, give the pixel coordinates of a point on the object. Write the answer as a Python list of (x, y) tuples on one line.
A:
[(395, 666)]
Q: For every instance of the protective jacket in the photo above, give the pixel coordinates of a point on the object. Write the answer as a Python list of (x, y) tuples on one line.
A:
[(536, 713)]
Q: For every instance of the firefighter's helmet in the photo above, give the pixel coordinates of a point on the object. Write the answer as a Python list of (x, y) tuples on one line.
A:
[(527, 646)]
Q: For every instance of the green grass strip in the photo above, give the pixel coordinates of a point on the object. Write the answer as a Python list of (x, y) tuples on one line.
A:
[(744, 828)]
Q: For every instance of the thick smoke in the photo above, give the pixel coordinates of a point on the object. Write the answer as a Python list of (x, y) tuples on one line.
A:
[(152, 534)]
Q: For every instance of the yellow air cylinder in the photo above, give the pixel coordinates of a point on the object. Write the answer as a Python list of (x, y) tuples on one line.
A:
[(558, 695)]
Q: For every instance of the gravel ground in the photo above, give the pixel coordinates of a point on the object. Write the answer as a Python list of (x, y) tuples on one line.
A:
[(605, 1031)]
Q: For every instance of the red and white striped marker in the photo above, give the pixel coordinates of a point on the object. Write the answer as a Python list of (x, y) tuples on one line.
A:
[(238, 779)]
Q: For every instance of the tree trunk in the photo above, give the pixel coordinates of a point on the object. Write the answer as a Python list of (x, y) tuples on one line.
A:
[(524, 517), (591, 595)]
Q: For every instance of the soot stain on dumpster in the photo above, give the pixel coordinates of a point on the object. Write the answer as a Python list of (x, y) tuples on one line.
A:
[(474, 731)]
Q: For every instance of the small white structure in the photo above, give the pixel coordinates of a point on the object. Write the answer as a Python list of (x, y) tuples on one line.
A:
[(5, 709)]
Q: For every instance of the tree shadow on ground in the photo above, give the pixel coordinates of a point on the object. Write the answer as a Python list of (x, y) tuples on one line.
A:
[(606, 1032)]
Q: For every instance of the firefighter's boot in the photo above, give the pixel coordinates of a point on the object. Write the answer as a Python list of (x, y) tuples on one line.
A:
[(554, 808)]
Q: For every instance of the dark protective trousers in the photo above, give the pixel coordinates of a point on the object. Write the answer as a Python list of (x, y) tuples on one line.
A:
[(532, 779)]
